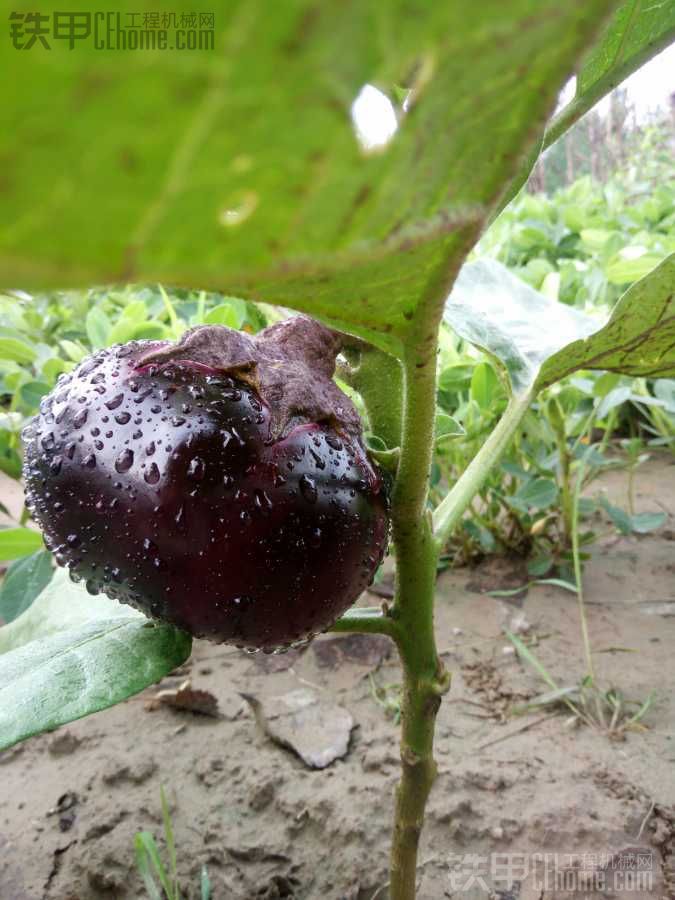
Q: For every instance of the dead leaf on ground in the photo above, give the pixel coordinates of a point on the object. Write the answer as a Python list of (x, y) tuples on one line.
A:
[(203, 703)]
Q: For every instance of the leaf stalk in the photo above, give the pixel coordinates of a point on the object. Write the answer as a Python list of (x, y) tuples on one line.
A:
[(449, 512)]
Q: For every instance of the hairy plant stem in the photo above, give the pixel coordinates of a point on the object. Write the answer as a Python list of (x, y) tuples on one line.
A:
[(410, 622), (419, 538), (416, 556)]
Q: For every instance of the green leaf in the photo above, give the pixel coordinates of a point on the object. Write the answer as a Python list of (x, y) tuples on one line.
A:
[(374, 442), (73, 351), (232, 314), (620, 518), (539, 566), (664, 390), (51, 677), (16, 542), (134, 316), (643, 523), (626, 271), (24, 580), (455, 378), (10, 463), (98, 328), (558, 582), (447, 427), (32, 393), (481, 534), (170, 842), (603, 384), (525, 653), (616, 397), (636, 26), (540, 493), (638, 339), (16, 350), (538, 341), (509, 320), (484, 384), (205, 884), (11, 421), (595, 238), (240, 169), (638, 31), (151, 331), (147, 859), (53, 367), (550, 698)]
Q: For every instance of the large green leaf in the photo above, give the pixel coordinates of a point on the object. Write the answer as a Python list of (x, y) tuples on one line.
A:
[(62, 605), (516, 325), (239, 168), (638, 339), (639, 30), (637, 25), (15, 542), (71, 655), (538, 341), (24, 581)]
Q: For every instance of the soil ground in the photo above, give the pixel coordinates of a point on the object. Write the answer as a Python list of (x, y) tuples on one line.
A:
[(266, 826)]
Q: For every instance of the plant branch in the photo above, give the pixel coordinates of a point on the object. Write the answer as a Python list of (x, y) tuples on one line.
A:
[(577, 565), (449, 512), (366, 620), (556, 419)]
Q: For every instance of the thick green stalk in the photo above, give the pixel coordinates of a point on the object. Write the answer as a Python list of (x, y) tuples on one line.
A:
[(416, 557), (410, 623)]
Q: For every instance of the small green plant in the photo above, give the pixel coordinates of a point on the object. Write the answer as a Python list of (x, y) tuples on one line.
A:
[(161, 883), (524, 507), (608, 711), (605, 709)]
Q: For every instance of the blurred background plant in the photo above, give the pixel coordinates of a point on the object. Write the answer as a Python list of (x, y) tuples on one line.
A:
[(589, 238)]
